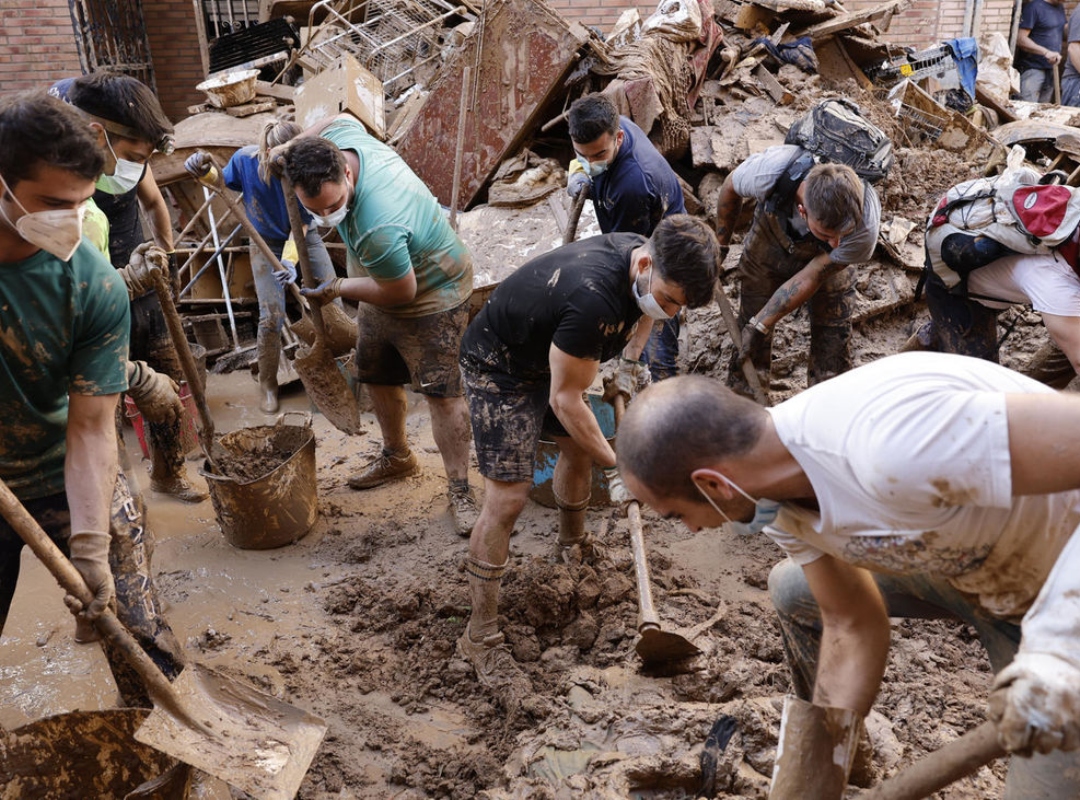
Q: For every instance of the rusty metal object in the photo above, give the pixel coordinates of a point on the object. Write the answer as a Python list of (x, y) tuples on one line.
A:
[(519, 57)]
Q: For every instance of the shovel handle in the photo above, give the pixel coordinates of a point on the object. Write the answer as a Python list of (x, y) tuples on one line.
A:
[(575, 215), (732, 325), (297, 224), (71, 581), (952, 762)]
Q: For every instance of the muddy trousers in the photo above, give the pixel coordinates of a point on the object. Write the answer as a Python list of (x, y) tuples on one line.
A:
[(151, 342), (1051, 777), (136, 596), (769, 258)]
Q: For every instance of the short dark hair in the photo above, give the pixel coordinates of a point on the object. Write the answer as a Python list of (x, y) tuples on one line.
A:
[(686, 253), (124, 101), (591, 117), (680, 425), (311, 161), (833, 196), (37, 129)]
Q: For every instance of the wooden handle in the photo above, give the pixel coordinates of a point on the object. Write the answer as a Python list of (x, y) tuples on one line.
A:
[(71, 581), (575, 214), (732, 325), (297, 224), (955, 760)]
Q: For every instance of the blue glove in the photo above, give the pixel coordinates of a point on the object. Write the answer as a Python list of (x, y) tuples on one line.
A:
[(286, 276), (325, 292), (576, 182)]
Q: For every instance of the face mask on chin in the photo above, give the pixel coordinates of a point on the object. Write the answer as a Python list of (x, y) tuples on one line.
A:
[(648, 304), (126, 174), (765, 511), (334, 218), (57, 231)]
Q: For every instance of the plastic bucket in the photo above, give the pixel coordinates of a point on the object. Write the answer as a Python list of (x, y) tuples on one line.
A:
[(547, 454), (189, 436), (274, 509), (87, 754)]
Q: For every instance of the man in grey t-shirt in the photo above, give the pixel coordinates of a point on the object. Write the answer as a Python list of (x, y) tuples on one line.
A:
[(1070, 77), (811, 222)]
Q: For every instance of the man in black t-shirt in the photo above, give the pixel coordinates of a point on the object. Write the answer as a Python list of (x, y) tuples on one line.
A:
[(528, 358)]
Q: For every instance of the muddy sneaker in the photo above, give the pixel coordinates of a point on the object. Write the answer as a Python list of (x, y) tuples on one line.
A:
[(464, 511), (179, 488), (495, 666), (387, 467)]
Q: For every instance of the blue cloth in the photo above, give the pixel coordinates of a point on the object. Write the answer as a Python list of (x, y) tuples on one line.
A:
[(1045, 24), (965, 53), (264, 203), (639, 187)]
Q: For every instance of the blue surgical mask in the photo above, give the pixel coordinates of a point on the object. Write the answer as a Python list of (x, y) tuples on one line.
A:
[(648, 304), (765, 511), (126, 175)]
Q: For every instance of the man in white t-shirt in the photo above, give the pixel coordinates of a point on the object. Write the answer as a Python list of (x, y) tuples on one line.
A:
[(922, 484)]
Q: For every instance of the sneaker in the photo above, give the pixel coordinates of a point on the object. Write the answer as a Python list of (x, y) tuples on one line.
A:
[(464, 511), (495, 666), (387, 467), (179, 488)]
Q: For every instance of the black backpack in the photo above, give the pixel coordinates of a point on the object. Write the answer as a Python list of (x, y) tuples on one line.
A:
[(836, 131)]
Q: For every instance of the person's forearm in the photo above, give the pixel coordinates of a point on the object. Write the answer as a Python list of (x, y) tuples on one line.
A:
[(90, 475), (369, 290), (1026, 43), (795, 291), (579, 421), (727, 211), (161, 223), (851, 664), (638, 339)]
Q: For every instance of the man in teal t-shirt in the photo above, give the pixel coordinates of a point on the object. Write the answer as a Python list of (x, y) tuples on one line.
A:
[(64, 327), (412, 278)]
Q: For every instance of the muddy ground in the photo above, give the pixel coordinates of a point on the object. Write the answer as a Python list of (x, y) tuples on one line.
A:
[(357, 621)]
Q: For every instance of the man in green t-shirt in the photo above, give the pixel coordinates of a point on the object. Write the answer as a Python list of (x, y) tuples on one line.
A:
[(65, 325), (412, 278)]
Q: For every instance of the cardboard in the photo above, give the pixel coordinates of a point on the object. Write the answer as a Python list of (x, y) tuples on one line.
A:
[(347, 86)]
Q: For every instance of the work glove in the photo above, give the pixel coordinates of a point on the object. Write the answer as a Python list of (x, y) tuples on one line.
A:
[(576, 182), (287, 275), (1035, 702), (137, 276), (325, 292), (752, 338), (201, 167), (157, 396), (617, 491), (90, 556), (629, 378)]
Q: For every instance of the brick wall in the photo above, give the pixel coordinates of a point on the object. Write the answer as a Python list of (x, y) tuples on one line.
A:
[(37, 45), (174, 46), (601, 13)]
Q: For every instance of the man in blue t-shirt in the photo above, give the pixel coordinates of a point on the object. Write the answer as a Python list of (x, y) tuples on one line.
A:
[(632, 188), (1038, 48)]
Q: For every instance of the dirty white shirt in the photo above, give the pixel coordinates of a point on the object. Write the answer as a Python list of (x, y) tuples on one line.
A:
[(1046, 282), (909, 459), (757, 176)]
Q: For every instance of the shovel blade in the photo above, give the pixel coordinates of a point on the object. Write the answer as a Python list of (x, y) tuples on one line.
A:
[(660, 647), (246, 737), (327, 388)]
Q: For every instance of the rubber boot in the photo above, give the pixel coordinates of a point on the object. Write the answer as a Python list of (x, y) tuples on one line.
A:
[(269, 347), (571, 521)]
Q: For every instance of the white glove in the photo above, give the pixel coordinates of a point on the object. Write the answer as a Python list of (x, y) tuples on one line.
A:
[(156, 396), (1035, 702), (617, 491)]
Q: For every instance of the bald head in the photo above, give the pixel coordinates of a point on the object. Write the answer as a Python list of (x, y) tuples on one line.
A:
[(682, 424)]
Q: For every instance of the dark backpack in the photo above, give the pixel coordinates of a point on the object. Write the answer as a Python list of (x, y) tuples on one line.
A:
[(836, 131)]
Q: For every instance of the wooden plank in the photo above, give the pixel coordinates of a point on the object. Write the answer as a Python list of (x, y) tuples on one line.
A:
[(776, 90), (850, 20), (247, 109), (280, 91)]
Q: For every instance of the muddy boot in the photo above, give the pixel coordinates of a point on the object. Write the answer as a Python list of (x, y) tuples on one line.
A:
[(269, 347), (389, 466), (571, 527), (482, 644), (464, 509), (168, 475)]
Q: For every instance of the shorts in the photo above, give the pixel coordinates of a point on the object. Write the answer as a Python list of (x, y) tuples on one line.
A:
[(507, 426), (421, 352)]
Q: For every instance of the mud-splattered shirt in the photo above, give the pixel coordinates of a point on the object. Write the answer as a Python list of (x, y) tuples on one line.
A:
[(64, 327), (576, 297), (395, 225), (909, 460), (264, 203)]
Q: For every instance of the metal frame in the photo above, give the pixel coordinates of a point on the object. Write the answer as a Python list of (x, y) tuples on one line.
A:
[(111, 34)]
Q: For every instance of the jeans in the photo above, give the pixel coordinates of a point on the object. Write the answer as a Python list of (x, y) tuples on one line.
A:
[(271, 294), (662, 349), (1037, 85)]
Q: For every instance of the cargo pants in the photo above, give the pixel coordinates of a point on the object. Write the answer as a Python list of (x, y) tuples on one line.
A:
[(769, 258), (1051, 777)]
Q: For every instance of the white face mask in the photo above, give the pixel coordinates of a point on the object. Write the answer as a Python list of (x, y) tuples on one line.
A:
[(331, 220), (593, 168), (648, 304), (765, 511), (126, 175), (57, 232)]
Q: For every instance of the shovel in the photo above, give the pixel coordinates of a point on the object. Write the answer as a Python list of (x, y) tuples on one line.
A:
[(315, 363), (228, 729), (575, 214), (655, 646), (732, 325), (952, 762)]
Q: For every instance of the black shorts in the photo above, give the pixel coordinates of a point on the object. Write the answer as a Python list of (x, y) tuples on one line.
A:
[(421, 352), (507, 426)]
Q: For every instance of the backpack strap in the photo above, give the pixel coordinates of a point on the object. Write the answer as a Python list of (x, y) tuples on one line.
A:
[(781, 200)]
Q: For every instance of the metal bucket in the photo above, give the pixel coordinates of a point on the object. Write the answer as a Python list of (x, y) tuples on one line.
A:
[(547, 454), (87, 754), (277, 508)]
